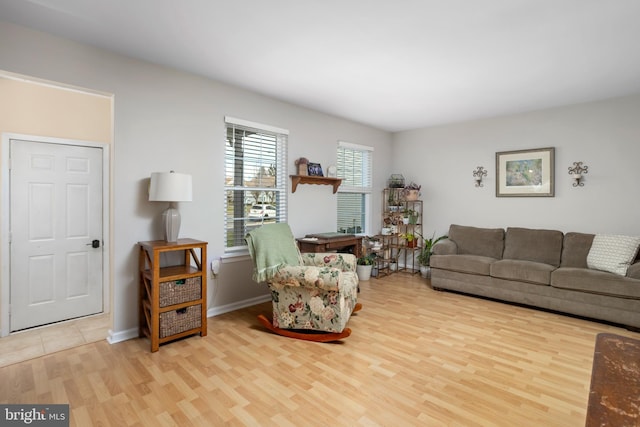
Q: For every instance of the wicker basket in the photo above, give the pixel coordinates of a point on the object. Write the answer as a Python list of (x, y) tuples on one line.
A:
[(176, 321), (180, 291)]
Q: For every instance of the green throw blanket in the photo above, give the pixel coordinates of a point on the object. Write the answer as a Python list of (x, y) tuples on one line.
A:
[(270, 247)]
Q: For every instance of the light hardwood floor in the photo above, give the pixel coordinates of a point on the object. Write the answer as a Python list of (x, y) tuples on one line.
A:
[(416, 357)]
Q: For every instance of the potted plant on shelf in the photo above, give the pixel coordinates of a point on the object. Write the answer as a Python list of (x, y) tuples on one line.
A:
[(411, 216), (364, 266), (411, 191), (424, 257), (412, 240)]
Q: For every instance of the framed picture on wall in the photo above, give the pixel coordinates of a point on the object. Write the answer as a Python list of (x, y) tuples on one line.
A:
[(525, 173), (314, 169)]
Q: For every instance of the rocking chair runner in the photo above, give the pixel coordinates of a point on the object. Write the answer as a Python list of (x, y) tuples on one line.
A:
[(313, 294)]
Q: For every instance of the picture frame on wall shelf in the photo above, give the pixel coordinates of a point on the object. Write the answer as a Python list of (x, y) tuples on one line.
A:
[(525, 173), (314, 169)]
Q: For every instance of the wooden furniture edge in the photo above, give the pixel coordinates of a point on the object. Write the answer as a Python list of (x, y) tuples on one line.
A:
[(317, 180)]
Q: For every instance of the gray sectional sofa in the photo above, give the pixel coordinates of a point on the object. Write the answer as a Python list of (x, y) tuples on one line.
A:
[(540, 268)]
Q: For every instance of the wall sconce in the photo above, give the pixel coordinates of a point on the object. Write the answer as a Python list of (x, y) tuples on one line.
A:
[(577, 170), (478, 174)]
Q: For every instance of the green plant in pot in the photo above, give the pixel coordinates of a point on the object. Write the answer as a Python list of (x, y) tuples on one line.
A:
[(411, 215), (364, 266), (412, 240), (424, 257), (366, 259)]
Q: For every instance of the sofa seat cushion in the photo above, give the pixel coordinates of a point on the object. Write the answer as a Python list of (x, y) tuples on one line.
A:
[(487, 242), (595, 281), (474, 264), (522, 271), (543, 246)]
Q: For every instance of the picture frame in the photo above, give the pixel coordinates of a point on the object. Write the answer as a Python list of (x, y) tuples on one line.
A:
[(525, 173), (314, 169)]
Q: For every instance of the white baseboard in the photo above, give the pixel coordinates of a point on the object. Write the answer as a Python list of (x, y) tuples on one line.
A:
[(215, 311), (115, 337), (119, 336)]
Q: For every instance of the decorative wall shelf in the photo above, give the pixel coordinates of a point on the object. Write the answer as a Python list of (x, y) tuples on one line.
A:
[(318, 180)]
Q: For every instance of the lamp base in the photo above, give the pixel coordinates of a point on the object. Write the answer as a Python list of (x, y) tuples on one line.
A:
[(171, 222)]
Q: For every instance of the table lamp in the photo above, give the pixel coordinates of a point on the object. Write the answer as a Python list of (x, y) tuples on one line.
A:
[(170, 187)]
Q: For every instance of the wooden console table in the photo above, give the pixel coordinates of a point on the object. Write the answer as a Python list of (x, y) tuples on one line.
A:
[(329, 242), (614, 396)]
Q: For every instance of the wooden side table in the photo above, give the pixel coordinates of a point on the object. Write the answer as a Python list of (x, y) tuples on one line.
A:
[(173, 298)]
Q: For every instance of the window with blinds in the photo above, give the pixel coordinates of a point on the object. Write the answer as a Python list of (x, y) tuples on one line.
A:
[(355, 167), (255, 179)]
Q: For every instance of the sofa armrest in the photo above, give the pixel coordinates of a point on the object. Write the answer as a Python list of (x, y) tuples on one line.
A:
[(344, 262), (445, 247), (633, 271), (327, 278)]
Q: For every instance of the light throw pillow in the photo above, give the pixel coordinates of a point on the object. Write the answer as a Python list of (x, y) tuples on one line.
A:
[(613, 253)]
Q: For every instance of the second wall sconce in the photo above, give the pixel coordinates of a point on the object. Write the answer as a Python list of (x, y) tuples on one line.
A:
[(478, 174), (577, 170)]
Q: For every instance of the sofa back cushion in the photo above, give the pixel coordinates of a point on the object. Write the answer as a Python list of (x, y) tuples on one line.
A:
[(526, 244), (575, 249), (487, 242)]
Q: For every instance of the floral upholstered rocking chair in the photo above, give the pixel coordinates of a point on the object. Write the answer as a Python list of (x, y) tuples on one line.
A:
[(313, 294)]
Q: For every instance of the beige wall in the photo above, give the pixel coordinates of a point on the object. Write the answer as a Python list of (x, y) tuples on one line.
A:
[(43, 110)]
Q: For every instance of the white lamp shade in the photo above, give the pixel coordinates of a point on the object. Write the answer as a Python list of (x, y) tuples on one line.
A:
[(170, 187)]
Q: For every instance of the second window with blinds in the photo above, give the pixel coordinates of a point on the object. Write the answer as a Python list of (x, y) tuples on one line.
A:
[(355, 167)]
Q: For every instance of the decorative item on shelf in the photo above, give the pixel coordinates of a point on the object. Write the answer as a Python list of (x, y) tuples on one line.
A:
[(170, 187), (372, 244), (424, 257), (301, 165), (314, 169), (412, 216), (332, 171), (478, 174), (411, 192), (412, 240), (577, 170), (393, 199), (396, 181)]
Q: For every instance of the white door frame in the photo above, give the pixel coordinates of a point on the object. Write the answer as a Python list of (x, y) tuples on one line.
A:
[(5, 198)]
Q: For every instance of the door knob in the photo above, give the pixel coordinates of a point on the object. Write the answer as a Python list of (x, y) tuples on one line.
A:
[(94, 244)]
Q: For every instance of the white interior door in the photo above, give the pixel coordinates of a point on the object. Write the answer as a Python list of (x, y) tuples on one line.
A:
[(56, 232)]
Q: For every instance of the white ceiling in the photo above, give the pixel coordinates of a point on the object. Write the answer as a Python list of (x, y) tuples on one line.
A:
[(392, 64)]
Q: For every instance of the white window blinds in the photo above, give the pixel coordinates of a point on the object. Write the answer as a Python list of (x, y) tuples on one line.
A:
[(355, 167), (355, 163), (255, 178)]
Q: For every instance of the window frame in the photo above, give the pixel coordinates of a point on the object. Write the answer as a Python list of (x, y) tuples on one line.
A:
[(365, 190), (230, 164)]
